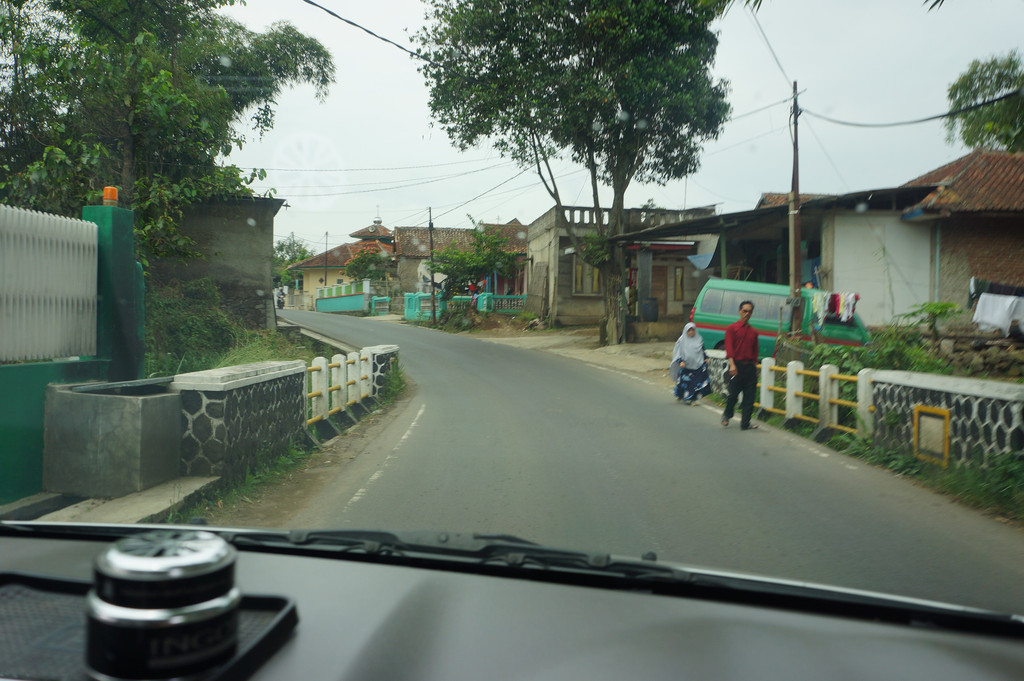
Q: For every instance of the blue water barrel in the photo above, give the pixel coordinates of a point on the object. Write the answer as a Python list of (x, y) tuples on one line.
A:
[(649, 310)]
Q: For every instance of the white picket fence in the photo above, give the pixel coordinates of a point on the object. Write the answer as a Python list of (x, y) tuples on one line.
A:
[(48, 266)]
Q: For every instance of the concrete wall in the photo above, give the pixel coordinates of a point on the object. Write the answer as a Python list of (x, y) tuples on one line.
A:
[(237, 239), (887, 261), (109, 445)]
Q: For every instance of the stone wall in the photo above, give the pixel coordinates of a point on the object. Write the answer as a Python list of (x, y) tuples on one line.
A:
[(975, 357), (383, 358), (985, 417), (235, 418)]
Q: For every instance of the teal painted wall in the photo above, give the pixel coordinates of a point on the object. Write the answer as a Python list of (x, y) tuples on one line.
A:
[(349, 303)]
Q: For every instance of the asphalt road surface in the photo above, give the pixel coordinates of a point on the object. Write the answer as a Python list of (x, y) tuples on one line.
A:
[(566, 453)]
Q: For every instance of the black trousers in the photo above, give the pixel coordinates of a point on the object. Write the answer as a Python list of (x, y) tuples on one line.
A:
[(744, 381)]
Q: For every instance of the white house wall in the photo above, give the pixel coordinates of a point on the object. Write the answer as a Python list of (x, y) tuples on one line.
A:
[(887, 261)]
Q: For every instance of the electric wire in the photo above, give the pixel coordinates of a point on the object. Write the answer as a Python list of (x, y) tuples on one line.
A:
[(424, 180), (764, 36), (416, 55), (948, 114), (387, 189)]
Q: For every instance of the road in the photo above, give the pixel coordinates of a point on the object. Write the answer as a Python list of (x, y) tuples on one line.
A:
[(502, 439)]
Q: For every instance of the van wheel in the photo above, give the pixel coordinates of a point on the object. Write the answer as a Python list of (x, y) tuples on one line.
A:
[(720, 345)]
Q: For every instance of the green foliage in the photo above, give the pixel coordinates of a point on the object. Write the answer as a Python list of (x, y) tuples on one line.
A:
[(486, 255), (596, 249), (931, 314), (186, 329), (144, 96), (895, 347), (367, 264), (999, 125), (394, 385), (624, 89), (288, 251), (997, 486)]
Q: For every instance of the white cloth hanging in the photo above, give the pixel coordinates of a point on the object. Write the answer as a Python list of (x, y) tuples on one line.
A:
[(996, 311)]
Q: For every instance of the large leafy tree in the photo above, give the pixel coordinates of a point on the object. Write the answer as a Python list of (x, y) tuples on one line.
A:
[(622, 87), (147, 96), (999, 125)]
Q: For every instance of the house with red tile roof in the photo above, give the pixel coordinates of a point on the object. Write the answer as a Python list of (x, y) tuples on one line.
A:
[(328, 268), (413, 249), (976, 207), (897, 247)]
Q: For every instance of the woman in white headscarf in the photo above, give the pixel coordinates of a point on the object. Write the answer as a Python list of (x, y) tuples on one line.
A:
[(690, 366)]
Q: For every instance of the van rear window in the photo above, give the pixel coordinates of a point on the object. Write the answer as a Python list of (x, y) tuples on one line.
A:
[(712, 303)]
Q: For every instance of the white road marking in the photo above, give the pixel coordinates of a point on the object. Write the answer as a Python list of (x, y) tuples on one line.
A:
[(405, 436)]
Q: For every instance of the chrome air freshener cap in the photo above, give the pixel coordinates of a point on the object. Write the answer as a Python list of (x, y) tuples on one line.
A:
[(164, 606)]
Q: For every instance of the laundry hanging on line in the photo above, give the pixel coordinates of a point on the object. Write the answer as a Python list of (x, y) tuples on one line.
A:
[(841, 304), (980, 286)]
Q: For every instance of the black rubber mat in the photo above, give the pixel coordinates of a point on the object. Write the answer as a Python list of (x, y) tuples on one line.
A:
[(42, 630)]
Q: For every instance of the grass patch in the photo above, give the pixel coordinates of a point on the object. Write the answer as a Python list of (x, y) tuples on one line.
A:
[(997, 487), (187, 330), (394, 384), (246, 490)]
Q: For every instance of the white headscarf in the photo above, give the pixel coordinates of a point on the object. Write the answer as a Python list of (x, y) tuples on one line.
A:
[(689, 350)]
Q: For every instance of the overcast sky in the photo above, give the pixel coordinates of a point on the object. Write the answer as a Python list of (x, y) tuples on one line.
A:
[(370, 150)]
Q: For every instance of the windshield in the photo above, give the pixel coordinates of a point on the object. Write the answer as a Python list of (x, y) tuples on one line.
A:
[(428, 265)]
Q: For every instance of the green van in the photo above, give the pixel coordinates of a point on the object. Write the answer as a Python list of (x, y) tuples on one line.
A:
[(718, 303)]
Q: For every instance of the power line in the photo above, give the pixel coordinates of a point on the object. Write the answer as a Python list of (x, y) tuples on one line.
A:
[(362, 170), (482, 193), (436, 178), (787, 100), (829, 157), (416, 55), (955, 112), (401, 186), (764, 36), (749, 139)]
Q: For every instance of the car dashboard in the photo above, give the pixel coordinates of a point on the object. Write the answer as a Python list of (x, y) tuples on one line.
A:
[(360, 617)]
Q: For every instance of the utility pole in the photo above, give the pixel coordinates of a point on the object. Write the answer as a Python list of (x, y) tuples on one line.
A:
[(795, 261), (325, 264), (433, 294)]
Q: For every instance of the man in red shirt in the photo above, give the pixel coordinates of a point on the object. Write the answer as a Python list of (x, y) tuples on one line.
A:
[(741, 351)]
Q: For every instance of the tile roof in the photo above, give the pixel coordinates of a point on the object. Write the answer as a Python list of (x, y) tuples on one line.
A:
[(340, 255), (980, 181), (374, 231), (772, 199), (414, 242)]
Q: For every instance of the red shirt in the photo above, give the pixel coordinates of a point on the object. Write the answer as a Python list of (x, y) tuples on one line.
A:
[(741, 342)]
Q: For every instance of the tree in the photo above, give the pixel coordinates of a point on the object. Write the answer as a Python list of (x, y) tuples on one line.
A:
[(288, 251), (145, 96), (999, 125), (464, 266), (369, 263), (621, 87)]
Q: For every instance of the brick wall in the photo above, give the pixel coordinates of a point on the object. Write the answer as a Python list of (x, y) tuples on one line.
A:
[(986, 247)]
